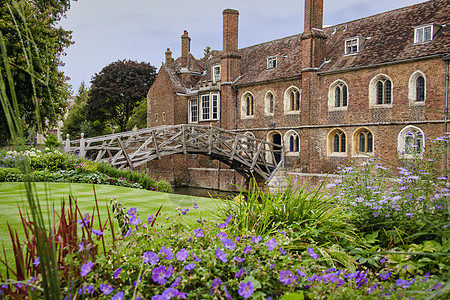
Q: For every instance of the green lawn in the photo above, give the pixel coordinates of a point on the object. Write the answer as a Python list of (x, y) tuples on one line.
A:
[(13, 195)]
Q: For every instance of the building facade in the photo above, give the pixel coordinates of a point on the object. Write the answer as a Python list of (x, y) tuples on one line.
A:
[(375, 86)]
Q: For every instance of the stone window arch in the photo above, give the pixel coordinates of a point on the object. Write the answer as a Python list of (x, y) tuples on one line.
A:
[(269, 103), (337, 143), (417, 88), (292, 100), (275, 137), (247, 105), (338, 95), (411, 142), (363, 142), (292, 143), (380, 91)]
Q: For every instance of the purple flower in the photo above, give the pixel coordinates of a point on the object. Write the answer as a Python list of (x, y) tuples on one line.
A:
[(90, 289), (300, 273), (132, 211), (229, 244), (176, 282), (97, 232), (196, 258), (150, 218), (222, 236), (285, 277), (425, 278), (150, 258), (195, 205), (182, 254), (184, 211), (83, 222), (437, 286), (385, 276), (282, 251), (226, 222), (382, 260), (246, 289), (199, 233), (221, 255), (216, 282), (36, 262), (128, 233), (271, 244), (238, 238), (105, 289), (134, 220), (158, 297), (402, 283), (160, 274), (117, 272), (80, 247), (170, 293), (239, 274), (86, 268), (247, 250), (226, 293), (166, 253), (118, 296), (256, 239), (238, 259), (312, 254), (190, 266)]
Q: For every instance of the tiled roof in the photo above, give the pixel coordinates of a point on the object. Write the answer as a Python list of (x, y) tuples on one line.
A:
[(390, 36)]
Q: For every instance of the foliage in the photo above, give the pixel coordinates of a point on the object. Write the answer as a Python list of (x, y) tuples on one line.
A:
[(410, 205), (52, 141), (118, 89), (34, 45), (55, 166), (138, 117)]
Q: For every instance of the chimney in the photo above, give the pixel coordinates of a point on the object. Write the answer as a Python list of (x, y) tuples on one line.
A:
[(230, 31), (313, 38), (168, 57), (185, 49)]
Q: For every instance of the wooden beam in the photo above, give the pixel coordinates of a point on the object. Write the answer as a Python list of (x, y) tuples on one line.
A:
[(125, 153), (255, 158), (155, 144)]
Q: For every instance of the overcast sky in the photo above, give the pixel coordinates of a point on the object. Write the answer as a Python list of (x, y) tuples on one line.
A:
[(105, 31)]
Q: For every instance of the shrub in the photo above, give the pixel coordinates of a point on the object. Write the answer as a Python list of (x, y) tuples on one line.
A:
[(52, 141), (10, 174)]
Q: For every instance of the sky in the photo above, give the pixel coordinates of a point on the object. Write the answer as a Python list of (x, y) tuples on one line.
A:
[(105, 31)]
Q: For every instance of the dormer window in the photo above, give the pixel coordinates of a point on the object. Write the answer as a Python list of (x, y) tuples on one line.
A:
[(216, 73), (423, 33), (272, 62), (351, 46)]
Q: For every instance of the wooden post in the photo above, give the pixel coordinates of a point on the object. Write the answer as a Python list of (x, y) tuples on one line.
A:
[(125, 153), (184, 138), (155, 144)]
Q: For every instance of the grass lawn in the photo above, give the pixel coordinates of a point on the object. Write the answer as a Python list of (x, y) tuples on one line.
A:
[(13, 195)]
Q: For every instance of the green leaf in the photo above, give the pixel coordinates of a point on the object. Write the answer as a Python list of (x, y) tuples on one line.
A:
[(255, 282), (293, 296)]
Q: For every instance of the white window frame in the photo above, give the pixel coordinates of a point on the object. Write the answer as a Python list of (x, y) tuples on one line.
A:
[(412, 94), (373, 92), (356, 142), (332, 96), (271, 62), (287, 143), (216, 75), (330, 142), (244, 113), (267, 103), (191, 111), (401, 142), (209, 112), (350, 44), (287, 101), (419, 33)]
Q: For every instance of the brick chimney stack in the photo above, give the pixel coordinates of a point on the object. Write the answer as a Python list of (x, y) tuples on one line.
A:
[(185, 48), (168, 57), (313, 15), (313, 38)]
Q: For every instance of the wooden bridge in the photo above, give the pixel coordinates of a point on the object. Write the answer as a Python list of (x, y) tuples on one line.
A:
[(246, 154)]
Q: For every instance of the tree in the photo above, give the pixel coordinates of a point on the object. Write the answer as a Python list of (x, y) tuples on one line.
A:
[(138, 116), (33, 45), (118, 89)]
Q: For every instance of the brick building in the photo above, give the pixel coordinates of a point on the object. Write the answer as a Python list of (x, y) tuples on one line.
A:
[(372, 86)]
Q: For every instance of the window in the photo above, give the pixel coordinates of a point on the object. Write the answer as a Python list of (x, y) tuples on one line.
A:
[(411, 142), (216, 73), (351, 46), (380, 91), (269, 104), (337, 143), (363, 142), (164, 116), (272, 62), (210, 107), (417, 88), (247, 105), (292, 141), (156, 118), (193, 107), (292, 100), (338, 95), (423, 33)]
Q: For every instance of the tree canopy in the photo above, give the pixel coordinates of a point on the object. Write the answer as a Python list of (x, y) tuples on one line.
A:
[(33, 44), (118, 89)]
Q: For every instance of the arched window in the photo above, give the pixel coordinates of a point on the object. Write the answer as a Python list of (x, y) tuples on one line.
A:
[(363, 142), (338, 95), (337, 142), (269, 104), (292, 142), (411, 142), (380, 91), (247, 105), (417, 88), (292, 99)]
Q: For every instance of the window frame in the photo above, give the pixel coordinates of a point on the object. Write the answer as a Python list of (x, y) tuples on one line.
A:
[(272, 62), (421, 38), (269, 103), (212, 108), (289, 148), (332, 95), (402, 142), (412, 94), (356, 142), (216, 76), (191, 111), (374, 88), (247, 108), (342, 143), (351, 40), (290, 102)]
